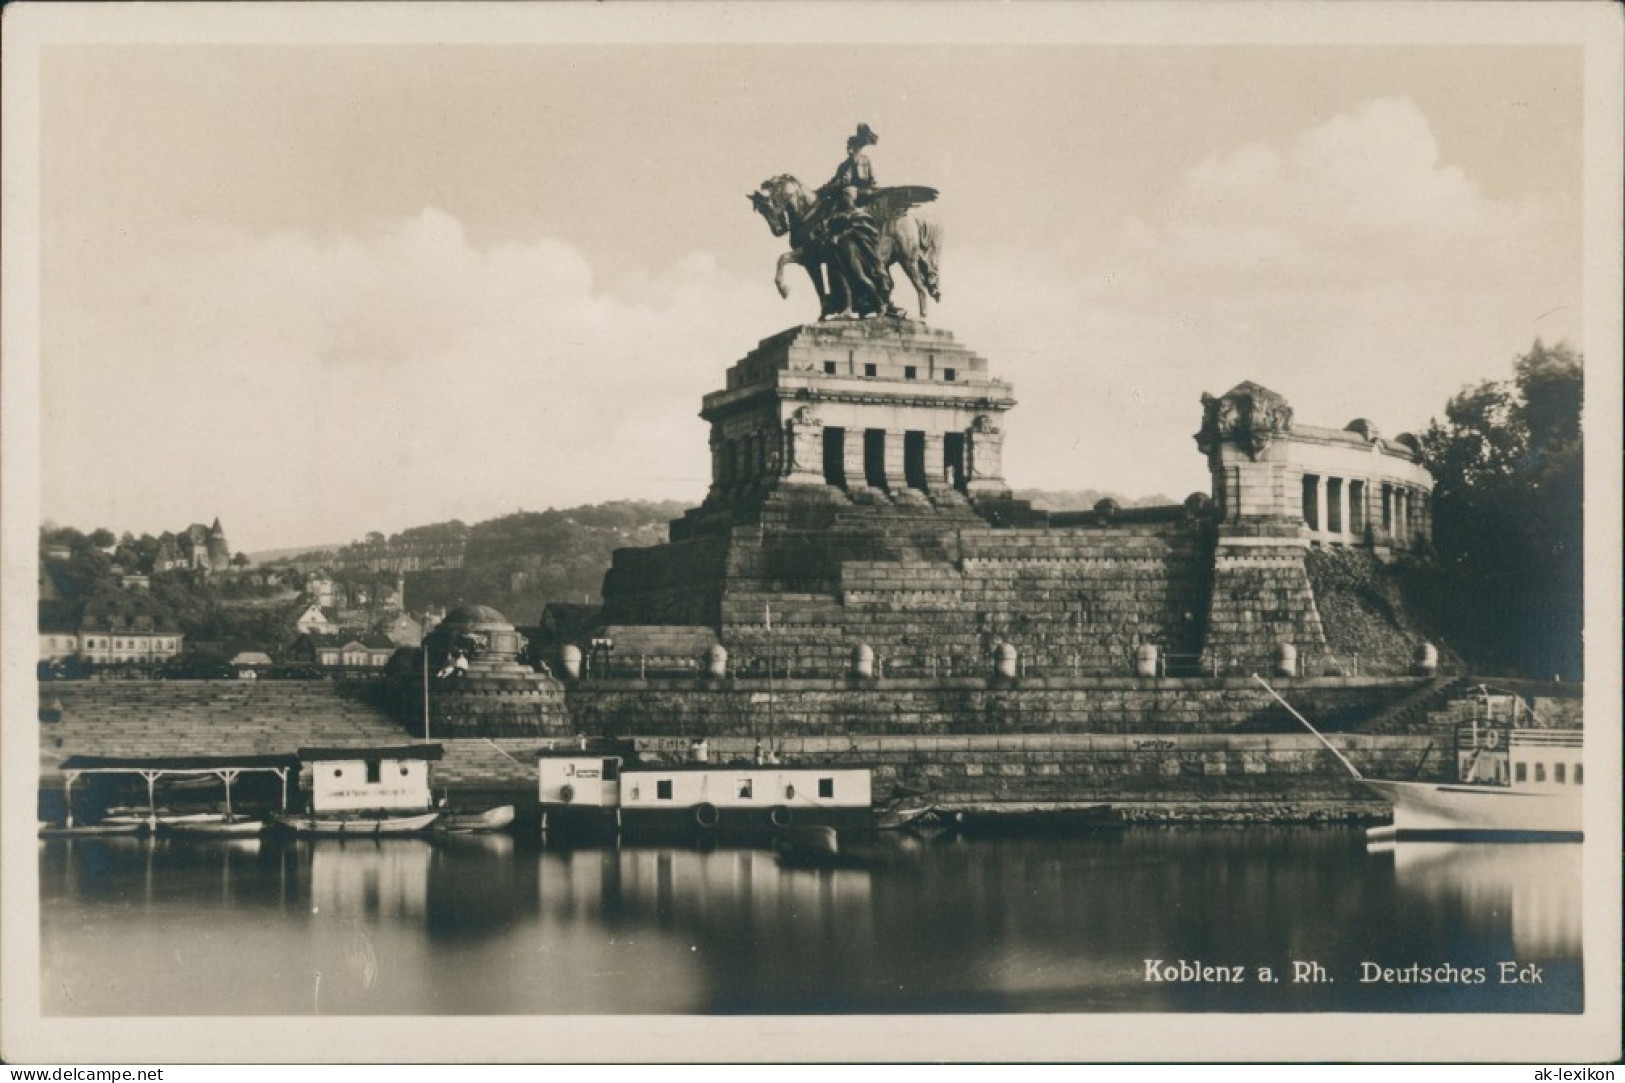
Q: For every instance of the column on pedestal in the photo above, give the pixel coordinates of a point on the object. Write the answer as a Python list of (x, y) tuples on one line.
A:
[(1323, 519), (719, 467), (852, 460), (936, 476), (896, 476)]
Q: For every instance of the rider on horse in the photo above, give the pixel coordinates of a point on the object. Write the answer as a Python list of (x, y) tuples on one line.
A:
[(853, 234), (855, 172)]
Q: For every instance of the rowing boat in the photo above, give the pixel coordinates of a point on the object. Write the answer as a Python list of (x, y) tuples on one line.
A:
[(356, 825), (492, 819)]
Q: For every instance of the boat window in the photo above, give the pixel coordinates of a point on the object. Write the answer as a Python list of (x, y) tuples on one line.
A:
[(404, 770), (374, 770), (1540, 772), (1579, 774), (612, 770), (1559, 772), (744, 787), (1520, 772), (826, 787), (663, 789)]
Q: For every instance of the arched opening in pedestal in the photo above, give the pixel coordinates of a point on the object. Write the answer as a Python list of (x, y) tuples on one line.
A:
[(914, 460), (835, 456), (953, 459), (874, 457)]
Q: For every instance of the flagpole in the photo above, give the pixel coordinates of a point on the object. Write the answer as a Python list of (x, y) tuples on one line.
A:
[(767, 614), (423, 649)]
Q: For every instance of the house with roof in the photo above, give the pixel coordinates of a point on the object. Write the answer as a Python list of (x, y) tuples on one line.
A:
[(402, 630), (370, 651), (126, 627), (58, 630), (314, 619)]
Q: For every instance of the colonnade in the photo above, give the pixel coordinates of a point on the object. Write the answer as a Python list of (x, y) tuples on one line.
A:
[(891, 460), (1360, 510)]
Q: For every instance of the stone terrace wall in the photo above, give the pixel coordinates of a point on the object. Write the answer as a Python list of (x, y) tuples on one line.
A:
[(1261, 597), (931, 596), (1208, 749), (1223, 769), (968, 705)]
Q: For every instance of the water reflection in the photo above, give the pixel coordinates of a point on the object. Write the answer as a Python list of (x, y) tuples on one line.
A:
[(497, 925), (1532, 889)]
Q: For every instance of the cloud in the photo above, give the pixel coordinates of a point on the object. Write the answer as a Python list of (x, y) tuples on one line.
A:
[(1362, 195), (1349, 267), (311, 386), (346, 383)]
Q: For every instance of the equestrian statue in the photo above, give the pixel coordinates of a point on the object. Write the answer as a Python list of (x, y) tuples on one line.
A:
[(849, 233)]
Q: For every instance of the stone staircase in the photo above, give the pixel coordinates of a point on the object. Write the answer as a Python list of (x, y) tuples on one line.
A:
[(209, 718), (1410, 713)]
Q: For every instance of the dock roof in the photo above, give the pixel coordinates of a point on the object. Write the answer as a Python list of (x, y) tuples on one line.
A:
[(177, 763), (394, 752)]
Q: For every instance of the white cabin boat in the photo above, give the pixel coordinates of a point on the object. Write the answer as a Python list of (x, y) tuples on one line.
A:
[(366, 791), (1517, 780), (1518, 784), (583, 791)]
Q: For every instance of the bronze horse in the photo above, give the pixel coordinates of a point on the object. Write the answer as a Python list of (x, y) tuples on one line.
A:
[(913, 244)]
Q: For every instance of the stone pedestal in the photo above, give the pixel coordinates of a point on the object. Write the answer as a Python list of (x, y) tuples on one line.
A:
[(809, 396)]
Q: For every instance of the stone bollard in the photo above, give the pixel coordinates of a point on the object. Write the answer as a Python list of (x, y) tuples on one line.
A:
[(716, 660), (1004, 660), (1145, 660), (863, 660), (1286, 660), (570, 655), (1427, 659)]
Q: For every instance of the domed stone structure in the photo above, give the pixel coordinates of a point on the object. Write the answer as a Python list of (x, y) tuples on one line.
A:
[(487, 639), (477, 683)]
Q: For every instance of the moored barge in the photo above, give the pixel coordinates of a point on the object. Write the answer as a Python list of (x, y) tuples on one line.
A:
[(585, 793)]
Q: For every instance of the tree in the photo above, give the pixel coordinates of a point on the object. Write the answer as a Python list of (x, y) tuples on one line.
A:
[(240, 561), (1508, 525)]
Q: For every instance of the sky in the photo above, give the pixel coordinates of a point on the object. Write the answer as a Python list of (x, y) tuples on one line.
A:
[(321, 290)]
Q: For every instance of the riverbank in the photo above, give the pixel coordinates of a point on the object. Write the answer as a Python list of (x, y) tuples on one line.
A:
[(1186, 770)]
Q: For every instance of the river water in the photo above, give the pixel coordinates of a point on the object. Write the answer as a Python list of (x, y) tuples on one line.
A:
[(1116, 922)]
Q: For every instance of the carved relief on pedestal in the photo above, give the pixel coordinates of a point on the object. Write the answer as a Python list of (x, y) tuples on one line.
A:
[(804, 443), (985, 452), (1248, 415)]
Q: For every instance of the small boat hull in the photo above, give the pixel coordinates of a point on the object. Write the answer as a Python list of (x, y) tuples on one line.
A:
[(898, 818), (216, 829), (1029, 821), (1446, 811), (492, 819), (811, 848), (102, 830), (357, 826), (164, 819), (739, 823)]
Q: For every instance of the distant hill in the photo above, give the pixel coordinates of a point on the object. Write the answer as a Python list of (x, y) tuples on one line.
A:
[(1086, 499), (265, 556), (518, 563)]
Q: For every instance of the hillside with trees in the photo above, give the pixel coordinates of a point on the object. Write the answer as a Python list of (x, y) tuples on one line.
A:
[(519, 563)]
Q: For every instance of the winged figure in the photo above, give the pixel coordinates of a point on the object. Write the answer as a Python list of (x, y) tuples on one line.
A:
[(850, 233)]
